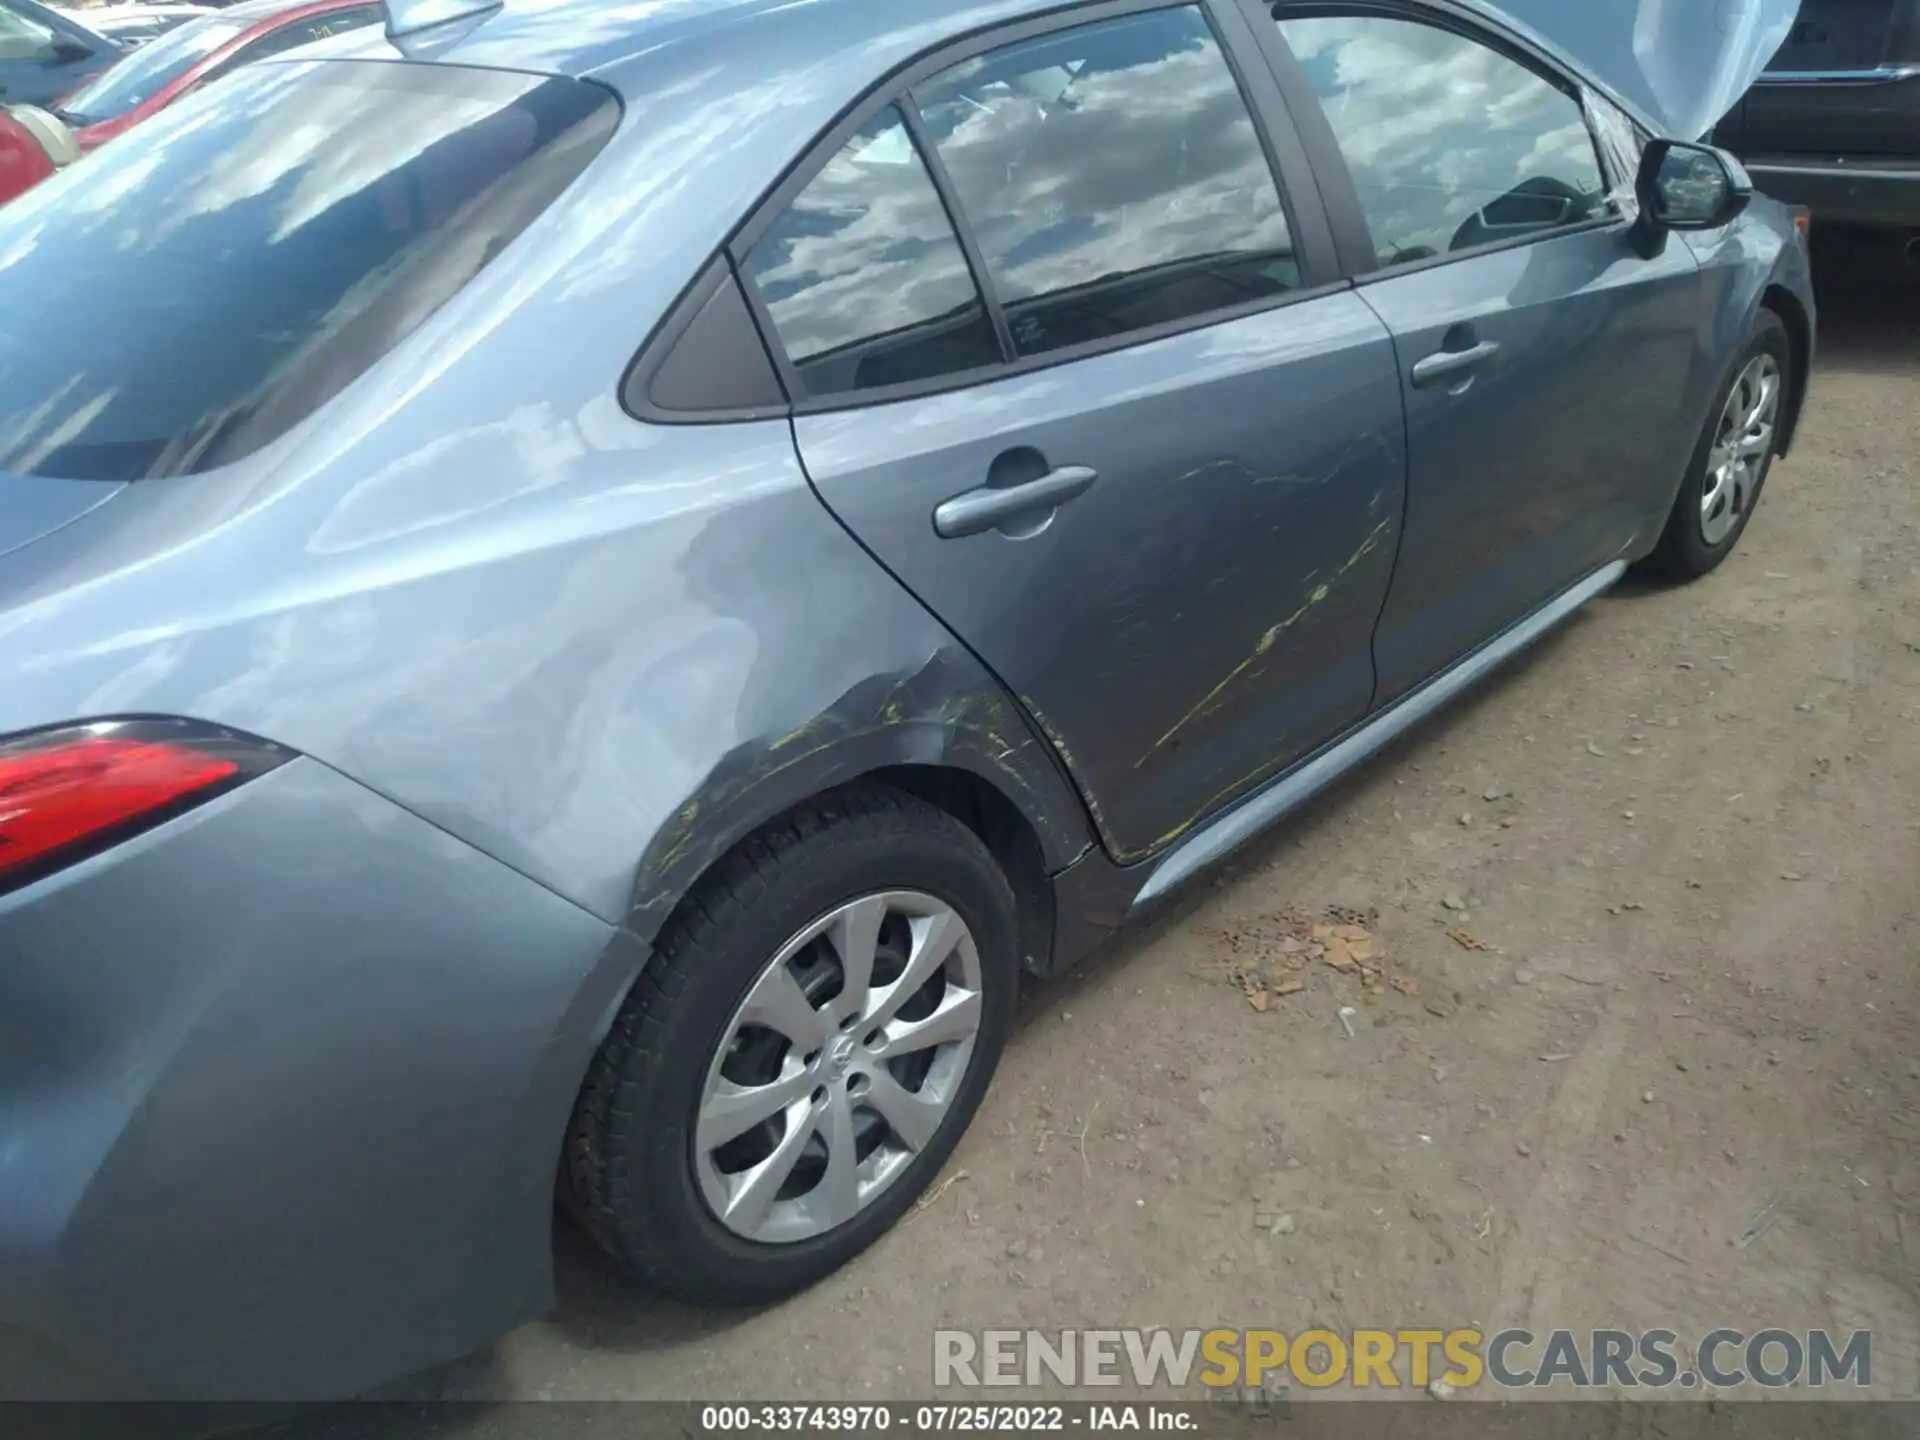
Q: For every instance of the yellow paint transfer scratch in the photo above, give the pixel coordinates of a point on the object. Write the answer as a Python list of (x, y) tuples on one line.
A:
[(1261, 647)]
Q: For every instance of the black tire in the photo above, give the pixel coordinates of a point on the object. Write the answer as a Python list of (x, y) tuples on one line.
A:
[(1683, 552), (629, 1155)]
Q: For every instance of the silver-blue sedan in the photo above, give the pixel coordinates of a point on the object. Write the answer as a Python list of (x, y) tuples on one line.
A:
[(584, 585)]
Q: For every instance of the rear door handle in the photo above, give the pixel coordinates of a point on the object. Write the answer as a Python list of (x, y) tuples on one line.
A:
[(989, 508), (1448, 363)]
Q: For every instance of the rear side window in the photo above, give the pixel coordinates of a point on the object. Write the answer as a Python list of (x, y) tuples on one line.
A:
[(1114, 178), (1451, 143), (214, 276), (863, 276), (1108, 180)]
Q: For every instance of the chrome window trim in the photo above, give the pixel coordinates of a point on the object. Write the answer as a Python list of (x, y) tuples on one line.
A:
[(1881, 75)]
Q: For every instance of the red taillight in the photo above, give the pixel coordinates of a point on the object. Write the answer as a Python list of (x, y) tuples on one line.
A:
[(66, 793)]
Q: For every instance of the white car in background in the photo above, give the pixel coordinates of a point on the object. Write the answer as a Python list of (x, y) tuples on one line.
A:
[(133, 24)]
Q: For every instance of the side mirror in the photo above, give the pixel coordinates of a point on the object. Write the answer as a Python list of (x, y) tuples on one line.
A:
[(1684, 186), (66, 50)]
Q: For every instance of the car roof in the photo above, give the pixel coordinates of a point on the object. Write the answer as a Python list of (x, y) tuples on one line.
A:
[(583, 37)]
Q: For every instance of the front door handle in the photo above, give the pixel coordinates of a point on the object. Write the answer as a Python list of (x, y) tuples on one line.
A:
[(1448, 363), (988, 508)]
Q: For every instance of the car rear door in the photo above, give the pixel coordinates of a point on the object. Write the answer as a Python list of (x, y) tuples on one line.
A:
[(1077, 370), (1545, 363)]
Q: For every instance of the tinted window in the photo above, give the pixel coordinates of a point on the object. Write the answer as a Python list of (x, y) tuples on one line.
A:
[(213, 276), (291, 37), (339, 22), (147, 71), (1114, 178), (1451, 144), (863, 277), (1845, 35)]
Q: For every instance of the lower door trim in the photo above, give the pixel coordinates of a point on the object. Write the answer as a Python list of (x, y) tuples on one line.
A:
[(1292, 790)]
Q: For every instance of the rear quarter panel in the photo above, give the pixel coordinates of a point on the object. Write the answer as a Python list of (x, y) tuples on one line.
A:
[(599, 650), (284, 1082)]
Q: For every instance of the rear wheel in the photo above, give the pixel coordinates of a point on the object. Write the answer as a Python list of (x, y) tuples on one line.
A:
[(802, 1053), (1734, 456)]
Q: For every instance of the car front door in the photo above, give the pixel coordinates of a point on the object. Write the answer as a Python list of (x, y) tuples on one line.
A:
[(1066, 360), (1543, 359)]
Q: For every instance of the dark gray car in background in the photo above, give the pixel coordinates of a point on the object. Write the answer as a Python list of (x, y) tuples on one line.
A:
[(583, 590), (1834, 122)]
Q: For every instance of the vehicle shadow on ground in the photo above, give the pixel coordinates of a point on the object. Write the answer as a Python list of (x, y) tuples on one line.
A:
[(598, 1309), (1867, 327)]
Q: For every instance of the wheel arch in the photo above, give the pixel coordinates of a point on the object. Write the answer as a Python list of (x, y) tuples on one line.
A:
[(966, 749), (1793, 314), (989, 813)]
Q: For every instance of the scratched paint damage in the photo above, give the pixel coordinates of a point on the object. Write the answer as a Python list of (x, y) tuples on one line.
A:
[(1234, 462), (942, 713), (1322, 590), (1059, 744), (1270, 637)]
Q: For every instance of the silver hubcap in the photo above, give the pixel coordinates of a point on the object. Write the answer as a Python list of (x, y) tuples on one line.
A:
[(1742, 446), (838, 1067)]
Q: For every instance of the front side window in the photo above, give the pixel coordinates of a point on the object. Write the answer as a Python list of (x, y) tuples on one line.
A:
[(1452, 144), (1114, 178), (214, 276), (864, 279)]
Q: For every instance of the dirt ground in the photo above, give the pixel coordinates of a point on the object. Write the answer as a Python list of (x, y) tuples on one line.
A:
[(1686, 831)]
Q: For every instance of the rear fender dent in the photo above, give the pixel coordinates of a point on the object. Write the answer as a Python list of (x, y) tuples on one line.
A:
[(948, 713)]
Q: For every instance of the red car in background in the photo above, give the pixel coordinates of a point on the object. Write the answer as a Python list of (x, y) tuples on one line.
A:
[(33, 144), (24, 162), (161, 71)]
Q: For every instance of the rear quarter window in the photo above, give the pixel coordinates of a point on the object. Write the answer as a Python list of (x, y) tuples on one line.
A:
[(210, 279)]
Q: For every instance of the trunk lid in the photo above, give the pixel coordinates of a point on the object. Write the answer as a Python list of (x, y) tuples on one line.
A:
[(1685, 62)]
